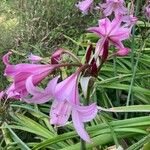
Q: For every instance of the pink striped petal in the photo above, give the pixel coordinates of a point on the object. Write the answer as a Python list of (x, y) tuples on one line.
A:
[(12, 70), (108, 11), (31, 88), (51, 87), (60, 112), (67, 86), (6, 58)]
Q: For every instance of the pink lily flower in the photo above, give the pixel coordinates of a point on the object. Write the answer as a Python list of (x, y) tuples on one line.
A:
[(84, 6), (61, 111), (111, 32), (116, 6), (34, 58), (67, 103), (20, 72)]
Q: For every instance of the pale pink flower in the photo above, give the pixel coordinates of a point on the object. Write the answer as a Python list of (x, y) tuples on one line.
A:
[(66, 103), (116, 6), (61, 111), (20, 72), (84, 6), (111, 32), (34, 58)]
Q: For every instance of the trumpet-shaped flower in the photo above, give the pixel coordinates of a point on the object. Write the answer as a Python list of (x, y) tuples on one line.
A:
[(20, 72), (61, 111), (84, 6), (66, 103), (111, 32), (116, 6)]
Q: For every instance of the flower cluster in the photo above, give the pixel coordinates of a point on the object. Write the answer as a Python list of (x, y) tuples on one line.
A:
[(111, 31), (64, 93)]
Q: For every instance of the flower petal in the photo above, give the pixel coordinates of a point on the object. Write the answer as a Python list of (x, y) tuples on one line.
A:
[(97, 30), (60, 112), (6, 58), (12, 70), (38, 98), (67, 86), (31, 88), (52, 86), (121, 34), (87, 113), (79, 126), (34, 58), (12, 93), (19, 83), (108, 11)]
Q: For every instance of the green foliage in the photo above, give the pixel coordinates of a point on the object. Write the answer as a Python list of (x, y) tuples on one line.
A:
[(36, 26)]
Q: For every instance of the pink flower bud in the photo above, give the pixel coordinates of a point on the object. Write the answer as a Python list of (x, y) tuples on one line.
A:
[(89, 52), (123, 52), (34, 58), (56, 56), (94, 68)]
